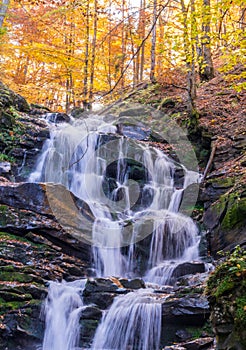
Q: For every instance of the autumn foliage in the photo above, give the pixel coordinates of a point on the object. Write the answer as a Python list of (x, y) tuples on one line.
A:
[(68, 53)]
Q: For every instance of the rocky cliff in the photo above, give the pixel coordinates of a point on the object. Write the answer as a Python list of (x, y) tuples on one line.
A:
[(35, 248)]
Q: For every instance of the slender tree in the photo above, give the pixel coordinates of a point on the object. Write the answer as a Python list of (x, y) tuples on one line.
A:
[(3, 10), (86, 64), (189, 49), (206, 69), (153, 44), (93, 51)]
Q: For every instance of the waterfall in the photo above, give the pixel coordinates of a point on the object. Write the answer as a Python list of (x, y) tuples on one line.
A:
[(61, 310), (133, 322), (134, 194), (125, 184)]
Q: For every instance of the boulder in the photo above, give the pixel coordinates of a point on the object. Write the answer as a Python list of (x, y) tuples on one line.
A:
[(101, 285), (91, 313), (48, 210), (10, 98), (57, 117), (102, 291), (135, 283), (197, 344), (5, 168), (188, 268), (188, 310), (79, 112), (135, 112)]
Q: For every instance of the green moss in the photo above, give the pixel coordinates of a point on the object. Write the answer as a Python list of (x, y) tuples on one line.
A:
[(235, 214), (226, 289), (198, 332), (7, 296), (224, 286), (8, 236), (11, 306), (15, 277), (6, 216), (6, 158), (168, 102), (223, 182), (240, 315)]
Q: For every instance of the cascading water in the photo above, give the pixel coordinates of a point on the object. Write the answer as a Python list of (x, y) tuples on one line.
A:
[(62, 309), (133, 322), (133, 194)]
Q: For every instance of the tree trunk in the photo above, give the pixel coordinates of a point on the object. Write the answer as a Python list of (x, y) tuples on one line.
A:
[(189, 49), (153, 45), (143, 23), (123, 45), (3, 10), (86, 65), (69, 43), (109, 73), (93, 53), (206, 69)]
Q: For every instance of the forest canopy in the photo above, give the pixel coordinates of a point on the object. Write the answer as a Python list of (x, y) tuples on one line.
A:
[(67, 53)]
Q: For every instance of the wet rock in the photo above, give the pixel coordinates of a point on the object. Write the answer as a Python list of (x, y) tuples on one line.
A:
[(5, 168), (41, 198), (134, 112), (9, 97), (78, 112), (197, 344), (189, 268), (101, 300), (6, 120), (226, 221), (183, 335), (136, 283), (102, 291), (188, 310), (135, 132), (91, 313), (26, 268), (37, 109), (57, 117), (28, 196), (20, 103), (101, 285)]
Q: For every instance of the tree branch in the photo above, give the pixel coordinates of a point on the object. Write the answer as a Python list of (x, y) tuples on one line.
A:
[(137, 51)]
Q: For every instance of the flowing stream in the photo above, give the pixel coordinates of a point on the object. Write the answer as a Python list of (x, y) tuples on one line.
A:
[(134, 193)]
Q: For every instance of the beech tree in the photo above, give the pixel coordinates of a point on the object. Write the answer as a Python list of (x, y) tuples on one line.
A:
[(206, 69), (3, 10), (64, 53)]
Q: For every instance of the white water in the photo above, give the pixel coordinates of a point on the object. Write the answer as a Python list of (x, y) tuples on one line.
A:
[(133, 322), (78, 157), (62, 309)]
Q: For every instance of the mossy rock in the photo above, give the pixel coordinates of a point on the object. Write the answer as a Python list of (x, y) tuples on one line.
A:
[(168, 102), (235, 214), (10, 98), (15, 277), (226, 290), (226, 218), (222, 182), (6, 120)]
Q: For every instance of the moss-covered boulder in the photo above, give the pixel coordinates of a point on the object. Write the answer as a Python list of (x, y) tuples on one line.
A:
[(226, 290), (9, 98), (225, 218), (27, 264)]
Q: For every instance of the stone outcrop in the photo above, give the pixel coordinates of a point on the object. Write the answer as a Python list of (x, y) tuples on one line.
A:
[(27, 265), (224, 199), (48, 210)]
